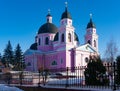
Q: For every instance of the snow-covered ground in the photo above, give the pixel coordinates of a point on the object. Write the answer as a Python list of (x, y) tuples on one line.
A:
[(8, 88), (69, 81), (60, 83), (80, 88)]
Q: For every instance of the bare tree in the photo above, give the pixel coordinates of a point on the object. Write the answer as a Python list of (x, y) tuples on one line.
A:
[(111, 50)]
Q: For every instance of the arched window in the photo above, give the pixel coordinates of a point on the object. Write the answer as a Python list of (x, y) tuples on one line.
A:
[(86, 60), (62, 38), (54, 63), (89, 42), (94, 43), (47, 19), (39, 41), (28, 64), (69, 37), (47, 41), (61, 61)]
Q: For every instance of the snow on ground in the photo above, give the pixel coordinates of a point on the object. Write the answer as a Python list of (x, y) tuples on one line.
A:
[(79, 88), (8, 88), (70, 81)]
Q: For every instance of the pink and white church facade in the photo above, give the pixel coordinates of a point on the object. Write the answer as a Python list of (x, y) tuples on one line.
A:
[(60, 47)]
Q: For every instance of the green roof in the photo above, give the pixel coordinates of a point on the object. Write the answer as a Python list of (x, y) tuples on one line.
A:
[(47, 28)]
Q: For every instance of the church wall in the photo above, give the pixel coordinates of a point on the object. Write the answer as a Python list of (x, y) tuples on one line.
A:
[(39, 61), (52, 60), (68, 59), (80, 58), (46, 48), (59, 46), (62, 59), (43, 46), (29, 61)]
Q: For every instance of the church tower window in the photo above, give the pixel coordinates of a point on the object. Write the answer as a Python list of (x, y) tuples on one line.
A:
[(89, 42), (94, 43), (47, 41), (62, 38), (69, 37), (28, 64)]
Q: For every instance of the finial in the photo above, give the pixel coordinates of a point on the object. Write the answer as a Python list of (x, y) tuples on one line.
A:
[(66, 4), (48, 11), (90, 15)]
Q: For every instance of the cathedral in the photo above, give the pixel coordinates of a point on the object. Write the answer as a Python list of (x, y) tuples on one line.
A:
[(59, 47)]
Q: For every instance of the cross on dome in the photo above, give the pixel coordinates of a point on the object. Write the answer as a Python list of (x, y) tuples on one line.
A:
[(48, 15), (66, 14), (48, 11), (91, 24), (66, 4), (90, 15)]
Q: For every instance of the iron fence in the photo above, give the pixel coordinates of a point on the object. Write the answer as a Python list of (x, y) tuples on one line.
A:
[(62, 77)]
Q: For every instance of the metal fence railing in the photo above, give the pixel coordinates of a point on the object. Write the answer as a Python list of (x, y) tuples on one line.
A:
[(62, 77)]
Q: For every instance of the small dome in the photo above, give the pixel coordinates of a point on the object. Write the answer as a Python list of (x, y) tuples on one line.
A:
[(33, 46), (56, 38), (91, 24), (48, 28), (66, 14), (48, 15), (76, 37)]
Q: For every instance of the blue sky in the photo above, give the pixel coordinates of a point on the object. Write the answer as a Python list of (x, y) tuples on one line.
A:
[(21, 19)]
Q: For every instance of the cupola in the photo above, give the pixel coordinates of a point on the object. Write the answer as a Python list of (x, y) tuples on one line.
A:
[(66, 14), (91, 24), (48, 27)]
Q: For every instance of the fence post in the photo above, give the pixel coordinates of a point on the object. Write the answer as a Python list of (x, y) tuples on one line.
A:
[(21, 77), (67, 79), (39, 78), (114, 69)]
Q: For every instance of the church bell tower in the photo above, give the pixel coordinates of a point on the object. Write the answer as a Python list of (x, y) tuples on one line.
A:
[(91, 36)]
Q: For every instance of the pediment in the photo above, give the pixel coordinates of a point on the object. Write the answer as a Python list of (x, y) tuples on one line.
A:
[(86, 47)]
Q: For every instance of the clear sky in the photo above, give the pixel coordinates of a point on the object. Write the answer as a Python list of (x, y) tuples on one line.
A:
[(21, 19)]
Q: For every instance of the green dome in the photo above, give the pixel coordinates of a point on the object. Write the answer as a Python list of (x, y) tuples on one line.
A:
[(91, 24), (48, 15), (66, 14), (75, 37), (33, 46), (47, 28)]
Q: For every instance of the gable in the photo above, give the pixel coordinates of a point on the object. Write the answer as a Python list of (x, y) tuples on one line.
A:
[(86, 47)]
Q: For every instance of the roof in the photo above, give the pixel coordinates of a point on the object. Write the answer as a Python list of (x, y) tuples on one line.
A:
[(66, 14), (33, 46), (47, 28), (91, 24), (75, 37), (86, 47), (48, 15)]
